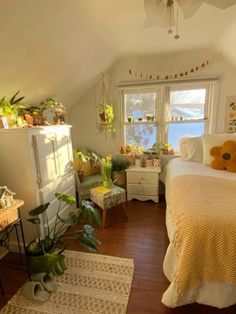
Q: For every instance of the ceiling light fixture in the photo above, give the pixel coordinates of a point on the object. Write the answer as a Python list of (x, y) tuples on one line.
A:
[(165, 13)]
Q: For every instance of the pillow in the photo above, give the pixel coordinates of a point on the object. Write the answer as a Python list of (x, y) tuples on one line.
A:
[(211, 140), (224, 156), (191, 148)]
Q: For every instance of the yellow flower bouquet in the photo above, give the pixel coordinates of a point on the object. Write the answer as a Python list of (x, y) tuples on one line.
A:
[(106, 165)]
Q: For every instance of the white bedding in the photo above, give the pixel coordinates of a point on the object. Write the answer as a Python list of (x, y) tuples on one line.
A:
[(219, 295)]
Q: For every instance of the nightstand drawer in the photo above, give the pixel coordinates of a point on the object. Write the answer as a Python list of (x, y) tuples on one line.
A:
[(142, 178), (142, 189)]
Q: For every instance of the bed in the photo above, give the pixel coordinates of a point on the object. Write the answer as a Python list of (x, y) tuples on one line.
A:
[(200, 261)]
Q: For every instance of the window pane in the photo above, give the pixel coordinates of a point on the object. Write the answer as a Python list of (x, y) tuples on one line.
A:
[(188, 104), (138, 105), (177, 130), (142, 135)]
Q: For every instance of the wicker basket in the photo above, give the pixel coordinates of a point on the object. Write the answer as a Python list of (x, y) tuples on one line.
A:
[(9, 214)]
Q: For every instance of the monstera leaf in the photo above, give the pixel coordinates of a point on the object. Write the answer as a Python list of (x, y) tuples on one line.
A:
[(51, 262), (39, 210), (68, 199), (88, 239), (90, 213)]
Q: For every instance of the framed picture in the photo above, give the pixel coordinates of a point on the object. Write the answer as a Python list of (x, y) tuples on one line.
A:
[(230, 121), (3, 123)]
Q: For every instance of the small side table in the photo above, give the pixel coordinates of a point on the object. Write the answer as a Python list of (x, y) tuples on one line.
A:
[(10, 219), (116, 197), (143, 183)]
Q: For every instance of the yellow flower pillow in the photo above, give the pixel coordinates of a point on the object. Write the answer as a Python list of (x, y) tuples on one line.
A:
[(224, 157)]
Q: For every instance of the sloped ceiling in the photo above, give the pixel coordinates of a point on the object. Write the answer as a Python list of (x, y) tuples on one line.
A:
[(57, 47)]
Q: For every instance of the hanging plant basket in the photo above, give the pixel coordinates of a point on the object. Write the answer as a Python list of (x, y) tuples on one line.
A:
[(105, 110)]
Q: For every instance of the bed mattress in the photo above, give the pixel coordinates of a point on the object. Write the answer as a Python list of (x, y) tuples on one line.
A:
[(219, 294)]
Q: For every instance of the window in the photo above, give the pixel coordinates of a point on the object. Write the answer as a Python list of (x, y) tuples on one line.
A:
[(140, 115), (165, 113), (188, 109)]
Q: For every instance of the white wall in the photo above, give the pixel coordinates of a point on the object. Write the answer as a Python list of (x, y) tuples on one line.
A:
[(83, 115)]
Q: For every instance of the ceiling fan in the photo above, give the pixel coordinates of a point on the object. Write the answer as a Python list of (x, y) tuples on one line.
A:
[(164, 13)]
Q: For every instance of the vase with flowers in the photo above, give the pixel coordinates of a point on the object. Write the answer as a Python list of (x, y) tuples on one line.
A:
[(106, 166)]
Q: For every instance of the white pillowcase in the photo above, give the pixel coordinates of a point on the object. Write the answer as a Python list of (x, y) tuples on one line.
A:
[(211, 140), (191, 148)]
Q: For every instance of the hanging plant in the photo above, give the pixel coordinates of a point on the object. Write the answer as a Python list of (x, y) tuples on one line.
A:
[(106, 114), (105, 109)]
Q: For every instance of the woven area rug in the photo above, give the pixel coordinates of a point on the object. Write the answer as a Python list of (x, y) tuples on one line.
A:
[(92, 284)]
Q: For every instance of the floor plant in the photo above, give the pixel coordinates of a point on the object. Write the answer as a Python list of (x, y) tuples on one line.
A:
[(42, 253)]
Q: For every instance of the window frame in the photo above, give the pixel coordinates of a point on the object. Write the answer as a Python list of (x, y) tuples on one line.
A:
[(158, 116), (163, 90)]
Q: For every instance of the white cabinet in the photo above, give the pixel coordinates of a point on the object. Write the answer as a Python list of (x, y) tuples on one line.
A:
[(143, 183), (35, 163)]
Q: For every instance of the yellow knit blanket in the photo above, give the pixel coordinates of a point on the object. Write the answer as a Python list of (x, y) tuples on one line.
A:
[(204, 211)]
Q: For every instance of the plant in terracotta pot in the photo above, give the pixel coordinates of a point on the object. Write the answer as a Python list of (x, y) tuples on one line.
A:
[(82, 157), (119, 164), (38, 112), (107, 116), (42, 253), (150, 117), (85, 156)]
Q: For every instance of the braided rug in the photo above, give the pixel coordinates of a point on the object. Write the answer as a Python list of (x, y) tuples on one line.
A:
[(91, 284)]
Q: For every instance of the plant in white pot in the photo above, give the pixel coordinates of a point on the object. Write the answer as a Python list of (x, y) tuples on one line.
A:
[(42, 253)]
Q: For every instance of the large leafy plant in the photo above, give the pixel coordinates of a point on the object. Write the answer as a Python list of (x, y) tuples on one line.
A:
[(42, 253)]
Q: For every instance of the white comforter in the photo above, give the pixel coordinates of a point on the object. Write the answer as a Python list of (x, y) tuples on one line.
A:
[(219, 295)]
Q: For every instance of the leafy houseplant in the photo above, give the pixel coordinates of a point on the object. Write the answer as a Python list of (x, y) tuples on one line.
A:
[(87, 156), (119, 164), (38, 112), (106, 114), (12, 109), (82, 156), (42, 253)]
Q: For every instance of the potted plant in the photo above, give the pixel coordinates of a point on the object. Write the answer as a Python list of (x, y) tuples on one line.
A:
[(12, 109), (42, 253), (166, 148), (38, 112), (106, 114), (133, 151), (130, 119), (106, 166), (150, 117), (95, 162), (83, 156), (119, 164)]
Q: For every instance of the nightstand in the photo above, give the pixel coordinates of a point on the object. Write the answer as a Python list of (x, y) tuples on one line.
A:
[(143, 183)]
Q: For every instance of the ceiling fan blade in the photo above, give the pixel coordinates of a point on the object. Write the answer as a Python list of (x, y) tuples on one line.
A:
[(189, 7), (222, 4), (157, 13)]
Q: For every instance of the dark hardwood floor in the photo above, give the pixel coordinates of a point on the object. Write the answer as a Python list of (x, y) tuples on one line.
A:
[(142, 237)]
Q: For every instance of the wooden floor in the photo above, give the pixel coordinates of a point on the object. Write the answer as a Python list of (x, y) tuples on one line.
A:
[(142, 237)]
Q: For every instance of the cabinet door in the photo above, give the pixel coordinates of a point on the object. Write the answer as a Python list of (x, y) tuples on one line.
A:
[(45, 149), (64, 153)]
